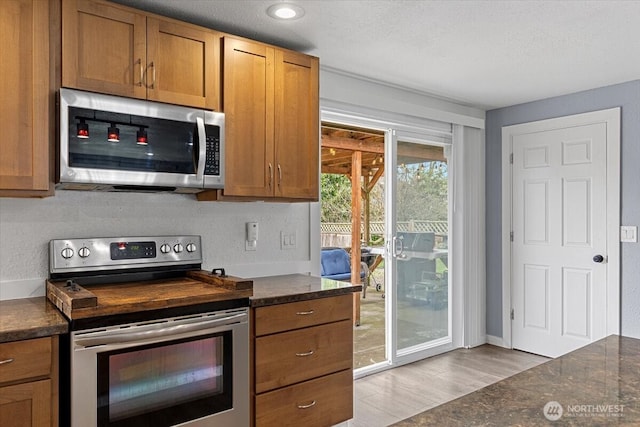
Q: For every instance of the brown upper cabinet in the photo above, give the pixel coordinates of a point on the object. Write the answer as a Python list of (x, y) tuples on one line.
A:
[(27, 97), (272, 122), (117, 50)]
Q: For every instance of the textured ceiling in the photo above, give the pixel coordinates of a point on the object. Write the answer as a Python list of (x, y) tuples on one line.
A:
[(486, 54)]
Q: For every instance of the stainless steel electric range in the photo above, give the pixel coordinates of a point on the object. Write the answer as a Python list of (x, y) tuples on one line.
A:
[(154, 341)]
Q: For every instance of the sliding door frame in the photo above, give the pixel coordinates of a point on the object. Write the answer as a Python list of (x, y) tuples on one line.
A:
[(451, 136)]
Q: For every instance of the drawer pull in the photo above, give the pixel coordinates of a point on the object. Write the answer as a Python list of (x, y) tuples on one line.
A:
[(307, 406), (5, 361), (308, 353), (304, 313)]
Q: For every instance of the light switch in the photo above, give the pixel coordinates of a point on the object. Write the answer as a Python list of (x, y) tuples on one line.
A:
[(629, 234)]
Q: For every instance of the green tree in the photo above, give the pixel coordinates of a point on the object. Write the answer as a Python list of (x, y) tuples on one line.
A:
[(421, 194), (335, 198)]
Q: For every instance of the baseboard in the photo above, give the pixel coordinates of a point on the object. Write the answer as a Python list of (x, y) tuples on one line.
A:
[(497, 341)]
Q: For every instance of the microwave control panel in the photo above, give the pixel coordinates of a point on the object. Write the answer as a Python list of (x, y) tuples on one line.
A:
[(212, 162)]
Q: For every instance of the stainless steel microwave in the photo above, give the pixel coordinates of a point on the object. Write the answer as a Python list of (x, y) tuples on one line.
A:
[(111, 143)]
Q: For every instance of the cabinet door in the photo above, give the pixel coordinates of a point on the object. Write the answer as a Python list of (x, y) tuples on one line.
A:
[(103, 48), (26, 405), (297, 125), (182, 65), (24, 90), (248, 107)]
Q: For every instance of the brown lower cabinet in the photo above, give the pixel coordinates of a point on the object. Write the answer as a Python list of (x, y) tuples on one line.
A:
[(303, 362), (29, 383)]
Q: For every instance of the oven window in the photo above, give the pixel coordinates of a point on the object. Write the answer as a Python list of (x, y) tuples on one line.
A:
[(143, 143), (166, 383)]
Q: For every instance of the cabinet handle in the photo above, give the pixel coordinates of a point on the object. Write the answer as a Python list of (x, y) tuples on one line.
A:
[(270, 174), (279, 175), (304, 313), (313, 402), (139, 62), (153, 82), (308, 353), (5, 361)]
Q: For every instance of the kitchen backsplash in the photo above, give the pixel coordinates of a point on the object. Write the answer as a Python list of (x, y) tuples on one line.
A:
[(27, 225)]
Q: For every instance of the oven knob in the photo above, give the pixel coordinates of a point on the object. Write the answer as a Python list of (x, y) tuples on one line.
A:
[(67, 253), (191, 247), (165, 249), (84, 252), (178, 248)]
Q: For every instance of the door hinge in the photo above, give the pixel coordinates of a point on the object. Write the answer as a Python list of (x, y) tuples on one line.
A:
[(511, 158), (512, 315), (511, 236)]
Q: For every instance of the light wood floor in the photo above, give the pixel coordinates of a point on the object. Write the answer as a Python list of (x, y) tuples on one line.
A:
[(391, 396)]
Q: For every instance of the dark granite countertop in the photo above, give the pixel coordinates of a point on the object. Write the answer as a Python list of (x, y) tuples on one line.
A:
[(596, 385), (27, 318), (296, 287)]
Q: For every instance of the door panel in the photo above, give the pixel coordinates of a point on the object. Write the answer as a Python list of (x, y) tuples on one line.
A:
[(536, 212), (559, 224), (421, 292), (296, 140), (182, 65), (536, 297), (576, 297), (104, 48), (248, 98)]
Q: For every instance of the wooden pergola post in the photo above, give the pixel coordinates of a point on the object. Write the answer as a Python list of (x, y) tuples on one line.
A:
[(356, 200)]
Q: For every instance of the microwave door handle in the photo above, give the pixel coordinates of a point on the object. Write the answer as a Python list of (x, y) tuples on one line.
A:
[(202, 146)]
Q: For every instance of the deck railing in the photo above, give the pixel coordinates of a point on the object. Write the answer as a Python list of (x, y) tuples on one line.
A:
[(377, 227)]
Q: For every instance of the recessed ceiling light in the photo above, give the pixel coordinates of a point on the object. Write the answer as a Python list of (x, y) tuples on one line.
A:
[(286, 11)]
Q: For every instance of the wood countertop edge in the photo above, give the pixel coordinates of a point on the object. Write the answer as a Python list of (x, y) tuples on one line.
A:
[(89, 312)]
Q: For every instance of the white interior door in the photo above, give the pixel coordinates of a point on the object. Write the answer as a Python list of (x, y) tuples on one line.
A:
[(560, 244)]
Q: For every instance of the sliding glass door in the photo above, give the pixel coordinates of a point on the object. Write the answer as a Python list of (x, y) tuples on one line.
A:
[(403, 197), (417, 255)]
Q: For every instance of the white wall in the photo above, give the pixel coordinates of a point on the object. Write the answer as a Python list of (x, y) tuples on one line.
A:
[(27, 225)]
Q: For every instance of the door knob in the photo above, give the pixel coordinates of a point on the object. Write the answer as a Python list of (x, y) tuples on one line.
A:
[(598, 258)]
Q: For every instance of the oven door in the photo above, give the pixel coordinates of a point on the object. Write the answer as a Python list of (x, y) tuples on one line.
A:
[(190, 370)]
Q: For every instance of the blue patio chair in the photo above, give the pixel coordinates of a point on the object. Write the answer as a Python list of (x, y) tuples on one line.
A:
[(335, 263)]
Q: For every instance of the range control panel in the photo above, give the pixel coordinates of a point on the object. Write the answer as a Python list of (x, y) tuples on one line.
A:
[(111, 253)]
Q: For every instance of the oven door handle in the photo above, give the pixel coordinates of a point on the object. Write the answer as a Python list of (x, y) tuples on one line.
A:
[(126, 336)]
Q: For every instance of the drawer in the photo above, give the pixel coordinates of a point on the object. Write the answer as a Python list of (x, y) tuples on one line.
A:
[(25, 359), (295, 356), (294, 315), (322, 402)]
